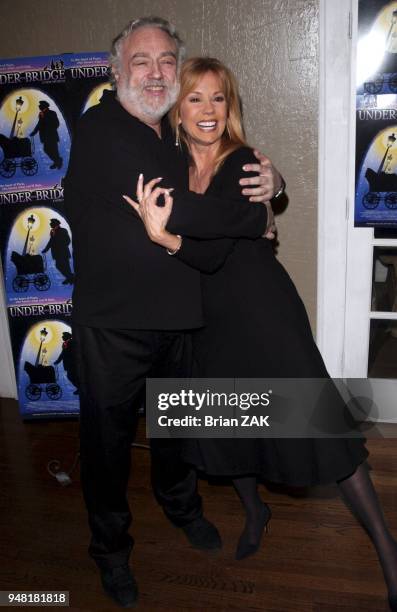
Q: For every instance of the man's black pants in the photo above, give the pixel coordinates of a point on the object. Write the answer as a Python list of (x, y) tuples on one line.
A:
[(112, 368)]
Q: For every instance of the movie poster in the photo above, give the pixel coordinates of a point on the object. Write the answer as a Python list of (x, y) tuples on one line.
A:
[(41, 98), (376, 115)]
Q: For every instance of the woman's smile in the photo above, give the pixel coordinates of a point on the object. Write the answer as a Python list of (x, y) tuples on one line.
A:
[(207, 125)]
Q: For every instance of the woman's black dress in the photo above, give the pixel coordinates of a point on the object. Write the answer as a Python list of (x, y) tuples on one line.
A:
[(257, 327)]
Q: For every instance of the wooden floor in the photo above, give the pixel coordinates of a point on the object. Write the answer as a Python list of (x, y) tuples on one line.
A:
[(316, 557)]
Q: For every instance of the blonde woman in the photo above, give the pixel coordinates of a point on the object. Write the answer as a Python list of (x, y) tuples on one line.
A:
[(256, 324)]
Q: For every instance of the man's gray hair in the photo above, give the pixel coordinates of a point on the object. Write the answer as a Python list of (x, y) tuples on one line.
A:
[(145, 22)]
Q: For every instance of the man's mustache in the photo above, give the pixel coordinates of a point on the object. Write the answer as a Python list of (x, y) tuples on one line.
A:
[(155, 83)]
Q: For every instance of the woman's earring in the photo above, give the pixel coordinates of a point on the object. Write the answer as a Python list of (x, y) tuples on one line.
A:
[(177, 138)]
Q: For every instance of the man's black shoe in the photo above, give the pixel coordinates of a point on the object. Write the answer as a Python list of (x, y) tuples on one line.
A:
[(202, 534), (119, 584)]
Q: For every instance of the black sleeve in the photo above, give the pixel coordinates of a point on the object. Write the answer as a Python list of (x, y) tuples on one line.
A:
[(210, 255), (229, 215), (202, 216), (205, 255)]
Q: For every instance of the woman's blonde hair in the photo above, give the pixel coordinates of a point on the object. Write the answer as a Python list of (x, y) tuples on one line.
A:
[(192, 70)]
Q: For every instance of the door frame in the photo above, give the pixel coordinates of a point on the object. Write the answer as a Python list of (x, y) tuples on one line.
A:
[(333, 193)]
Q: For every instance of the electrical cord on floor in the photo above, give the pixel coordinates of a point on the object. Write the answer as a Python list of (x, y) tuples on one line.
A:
[(63, 477), (54, 469)]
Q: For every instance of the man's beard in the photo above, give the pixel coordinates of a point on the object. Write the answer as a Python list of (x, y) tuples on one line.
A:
[(135, 97)]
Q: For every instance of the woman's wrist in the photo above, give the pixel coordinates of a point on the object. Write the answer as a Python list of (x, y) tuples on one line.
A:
[(175, 250), (169, 241)]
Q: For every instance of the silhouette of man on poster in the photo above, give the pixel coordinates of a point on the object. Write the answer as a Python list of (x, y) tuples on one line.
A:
[(47, 127), (67, 357), (59, 244)]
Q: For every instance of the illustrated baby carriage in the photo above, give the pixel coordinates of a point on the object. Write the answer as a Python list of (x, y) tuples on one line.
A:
[(42, 377), (380, 183), (30, 269), (375, 85), (18, 152)]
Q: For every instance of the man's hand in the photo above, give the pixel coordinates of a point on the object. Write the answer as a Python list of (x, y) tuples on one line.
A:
[(266, 184)]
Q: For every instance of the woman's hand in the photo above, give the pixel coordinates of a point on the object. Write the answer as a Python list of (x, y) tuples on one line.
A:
[(154, 217)]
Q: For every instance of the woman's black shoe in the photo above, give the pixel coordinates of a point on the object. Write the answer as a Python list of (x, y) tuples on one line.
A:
[(246, 546)]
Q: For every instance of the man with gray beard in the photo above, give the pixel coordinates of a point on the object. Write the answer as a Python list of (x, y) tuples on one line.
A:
[(133, 304)]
